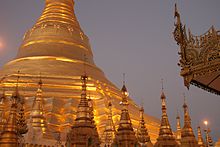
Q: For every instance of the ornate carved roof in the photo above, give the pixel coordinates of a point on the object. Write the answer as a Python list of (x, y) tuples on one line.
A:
[(199, 57)]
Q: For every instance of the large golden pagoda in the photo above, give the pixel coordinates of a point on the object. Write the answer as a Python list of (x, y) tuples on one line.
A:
[(55, 49)]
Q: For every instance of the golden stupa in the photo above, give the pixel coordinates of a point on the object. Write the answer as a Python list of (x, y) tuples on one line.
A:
[(54, 49)]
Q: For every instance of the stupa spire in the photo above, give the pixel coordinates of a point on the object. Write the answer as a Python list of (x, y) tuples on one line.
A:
[(9, 136), (38, 121), (166, 136), (109, 132), (200, 139), (187, 135), (209, 141), (125, 135), (83, 112), (142, 132), (125, 121), (165, 129), (84, 131), (178, 128)]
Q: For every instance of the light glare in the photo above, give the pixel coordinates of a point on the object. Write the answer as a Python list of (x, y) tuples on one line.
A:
[(206, 122), (1, 44)]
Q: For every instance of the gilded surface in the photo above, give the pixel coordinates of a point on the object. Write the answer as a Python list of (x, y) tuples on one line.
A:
[(201, 142), (166, 136), (199, 56), (187, 135), (54, 50)]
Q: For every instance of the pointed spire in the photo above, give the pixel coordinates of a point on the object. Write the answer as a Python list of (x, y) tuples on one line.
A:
[(142, 132), (166, 136), (9, 136), (125, 133), (187, 134), (125, 121), (84, 124), (83, 112), (200, 139), (187, 129), (177, 15), (125, 94), (165, 129), (109, 132), (209, 141), (178, 128), (38, 120)]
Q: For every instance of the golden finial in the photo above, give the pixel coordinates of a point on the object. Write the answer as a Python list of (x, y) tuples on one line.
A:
[(162, 91), (124, 89), (177, 114), (176, 13), (124, 78), (162, 87), (184, 104), (142, 102)]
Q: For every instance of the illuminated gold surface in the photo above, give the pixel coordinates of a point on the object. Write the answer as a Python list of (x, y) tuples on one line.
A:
[(166, 137), (178, 129), (142, 132), (9, 136), (187, 134), (201, 142), (84, 127), (110, 131), (60, 66), (125, 135), (217, 144)]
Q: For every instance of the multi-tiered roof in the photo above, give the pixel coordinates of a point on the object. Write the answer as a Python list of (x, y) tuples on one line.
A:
[(199, 57)]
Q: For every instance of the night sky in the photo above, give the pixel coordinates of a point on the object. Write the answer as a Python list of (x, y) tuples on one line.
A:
[(132, 37)]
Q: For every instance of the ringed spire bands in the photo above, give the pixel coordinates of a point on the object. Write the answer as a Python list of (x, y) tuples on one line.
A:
[(57, 33), (60, 11)]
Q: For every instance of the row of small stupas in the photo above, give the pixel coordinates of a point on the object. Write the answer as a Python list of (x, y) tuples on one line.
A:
[(15, 131)]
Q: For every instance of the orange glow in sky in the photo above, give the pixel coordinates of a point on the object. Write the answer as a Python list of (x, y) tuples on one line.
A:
[(1, 44)]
